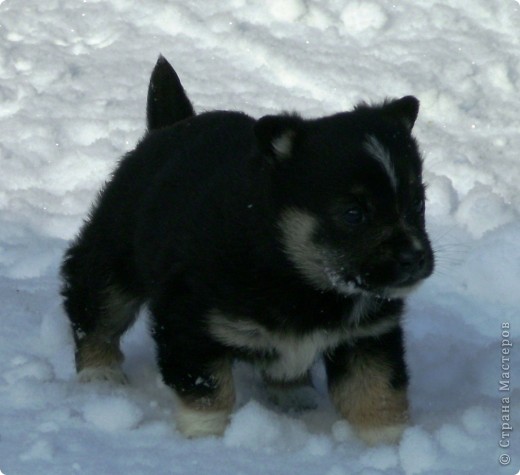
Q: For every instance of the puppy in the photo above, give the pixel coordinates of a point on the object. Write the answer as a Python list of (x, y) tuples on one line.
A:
[(279, 241)]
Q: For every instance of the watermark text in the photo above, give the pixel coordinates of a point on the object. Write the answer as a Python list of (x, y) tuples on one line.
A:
[(504, 388)]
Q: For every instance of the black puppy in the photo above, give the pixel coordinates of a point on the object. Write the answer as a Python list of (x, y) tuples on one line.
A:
[(276, 240)]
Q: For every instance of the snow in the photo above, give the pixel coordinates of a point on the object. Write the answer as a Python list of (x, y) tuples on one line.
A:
[(73, 79), (363, 17), (113, 413), (417, 451)]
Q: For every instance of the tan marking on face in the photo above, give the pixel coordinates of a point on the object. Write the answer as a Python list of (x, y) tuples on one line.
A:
[(283, 144), (317, 264), (378, 151)]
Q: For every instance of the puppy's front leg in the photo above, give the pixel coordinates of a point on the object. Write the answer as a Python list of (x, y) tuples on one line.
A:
[(198, 369), (205, 402), (368, 382), (205, 393)]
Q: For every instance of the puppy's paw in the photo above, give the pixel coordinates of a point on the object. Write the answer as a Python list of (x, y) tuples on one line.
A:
[(110, 374), (297, 399), (381, 435), (193, 423)]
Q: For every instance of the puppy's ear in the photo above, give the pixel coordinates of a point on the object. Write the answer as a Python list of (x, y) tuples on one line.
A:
[(404, 110), (167, 101), (276, 135)]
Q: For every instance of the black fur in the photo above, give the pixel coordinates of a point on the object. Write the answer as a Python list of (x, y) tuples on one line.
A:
[(192, 223), (167, 102)]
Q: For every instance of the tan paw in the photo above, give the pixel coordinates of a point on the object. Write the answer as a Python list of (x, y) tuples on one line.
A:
[(194, 423), (110, 374)]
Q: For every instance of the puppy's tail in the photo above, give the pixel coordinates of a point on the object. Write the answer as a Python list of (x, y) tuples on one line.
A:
[(167, 102)]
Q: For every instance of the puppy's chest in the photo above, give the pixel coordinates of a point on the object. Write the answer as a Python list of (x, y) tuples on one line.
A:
[(286, 355)]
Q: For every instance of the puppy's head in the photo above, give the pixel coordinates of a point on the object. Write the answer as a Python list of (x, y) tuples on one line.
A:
[(351, 198)]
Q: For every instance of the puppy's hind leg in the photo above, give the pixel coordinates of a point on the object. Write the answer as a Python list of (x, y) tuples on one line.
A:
[(98, 356), (99, 313)]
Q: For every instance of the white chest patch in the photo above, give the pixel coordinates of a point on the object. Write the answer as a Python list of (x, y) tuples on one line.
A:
[(292, 355)]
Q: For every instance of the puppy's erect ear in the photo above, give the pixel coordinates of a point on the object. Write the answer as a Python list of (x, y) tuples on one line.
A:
[(276, 135), (404, 110), (167, 101)]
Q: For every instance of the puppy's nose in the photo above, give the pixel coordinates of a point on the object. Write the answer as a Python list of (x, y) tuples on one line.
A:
[(411, 260)]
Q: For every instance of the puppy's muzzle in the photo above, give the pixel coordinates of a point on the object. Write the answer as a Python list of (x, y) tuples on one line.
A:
[(414, 264)]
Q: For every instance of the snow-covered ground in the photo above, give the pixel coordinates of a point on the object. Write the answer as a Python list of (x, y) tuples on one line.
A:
[(73, 79)]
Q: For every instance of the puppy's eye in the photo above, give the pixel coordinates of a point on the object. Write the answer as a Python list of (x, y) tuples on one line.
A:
[(354, 215)]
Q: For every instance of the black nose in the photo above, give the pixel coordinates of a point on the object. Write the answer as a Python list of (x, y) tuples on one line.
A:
[(411, 260)]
